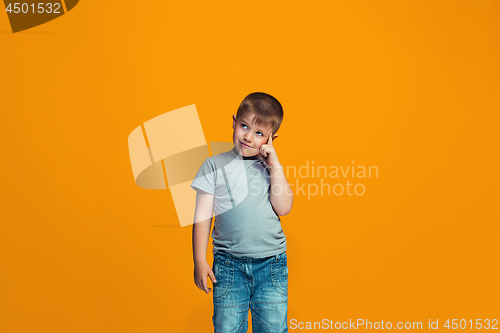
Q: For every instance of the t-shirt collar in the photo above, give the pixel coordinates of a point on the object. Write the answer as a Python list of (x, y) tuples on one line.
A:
[(235, 151)]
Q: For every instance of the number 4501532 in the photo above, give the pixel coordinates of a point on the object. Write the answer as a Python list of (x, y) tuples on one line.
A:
[(48, 8), (479, 324)]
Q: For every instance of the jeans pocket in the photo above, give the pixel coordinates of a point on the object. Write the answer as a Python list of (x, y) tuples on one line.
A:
[(279, 274), (224, 274)]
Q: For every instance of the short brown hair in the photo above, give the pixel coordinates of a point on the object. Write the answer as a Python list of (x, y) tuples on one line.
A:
[(266, 109)]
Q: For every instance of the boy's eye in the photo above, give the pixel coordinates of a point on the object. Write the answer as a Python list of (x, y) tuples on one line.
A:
[(245, 127)]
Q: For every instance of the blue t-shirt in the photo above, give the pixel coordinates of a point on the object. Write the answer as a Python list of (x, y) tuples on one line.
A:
[(245, 222)]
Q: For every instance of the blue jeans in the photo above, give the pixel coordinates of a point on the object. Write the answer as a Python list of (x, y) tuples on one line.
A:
[(243, 283)]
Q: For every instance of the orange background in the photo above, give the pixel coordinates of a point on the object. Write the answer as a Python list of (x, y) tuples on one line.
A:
[(410, 87)]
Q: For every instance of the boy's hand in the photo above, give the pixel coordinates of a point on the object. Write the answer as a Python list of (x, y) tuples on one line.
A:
[(201, 271), (268, 152)]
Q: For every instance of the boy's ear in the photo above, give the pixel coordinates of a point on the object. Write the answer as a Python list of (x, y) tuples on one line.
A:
[(234, 120), (275, 136)]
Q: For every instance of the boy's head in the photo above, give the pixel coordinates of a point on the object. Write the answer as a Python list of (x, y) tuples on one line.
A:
[(258, 115)]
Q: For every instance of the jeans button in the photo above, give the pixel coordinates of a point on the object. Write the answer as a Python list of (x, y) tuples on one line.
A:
[(227, 263)]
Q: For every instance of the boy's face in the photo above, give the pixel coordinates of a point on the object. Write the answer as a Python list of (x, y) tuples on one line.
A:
[(248, 137)]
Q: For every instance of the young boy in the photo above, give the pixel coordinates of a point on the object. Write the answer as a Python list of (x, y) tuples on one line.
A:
[(246, 189)]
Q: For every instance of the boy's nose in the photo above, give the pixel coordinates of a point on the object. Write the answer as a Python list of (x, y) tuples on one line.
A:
[(247, 137)]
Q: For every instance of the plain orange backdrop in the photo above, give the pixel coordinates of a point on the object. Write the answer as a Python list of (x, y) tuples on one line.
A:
[(409, 87)]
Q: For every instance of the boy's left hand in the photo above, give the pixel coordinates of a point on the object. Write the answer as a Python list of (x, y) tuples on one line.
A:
[(268, 152)]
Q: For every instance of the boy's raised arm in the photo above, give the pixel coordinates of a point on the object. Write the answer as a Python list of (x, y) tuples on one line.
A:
[(281, 193)]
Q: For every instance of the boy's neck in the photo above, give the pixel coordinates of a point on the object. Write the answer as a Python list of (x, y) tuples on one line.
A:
[(235, 151)]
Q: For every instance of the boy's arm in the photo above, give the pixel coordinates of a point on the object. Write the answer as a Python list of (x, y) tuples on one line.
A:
[(202, 225), (281, 192), (201, 233)]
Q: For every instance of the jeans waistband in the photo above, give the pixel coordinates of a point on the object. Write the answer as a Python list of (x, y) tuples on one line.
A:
[(245, 258)]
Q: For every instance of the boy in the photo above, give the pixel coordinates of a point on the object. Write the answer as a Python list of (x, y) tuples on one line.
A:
[(247, 191)]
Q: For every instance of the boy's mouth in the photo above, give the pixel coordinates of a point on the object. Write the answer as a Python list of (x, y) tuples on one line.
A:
[(245, 145)]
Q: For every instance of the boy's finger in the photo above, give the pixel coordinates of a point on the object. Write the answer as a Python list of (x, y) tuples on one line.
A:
[(270, 139), (205, 287), (212, 276)]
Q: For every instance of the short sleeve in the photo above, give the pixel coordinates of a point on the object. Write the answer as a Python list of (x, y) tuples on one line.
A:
[(205, 178)]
